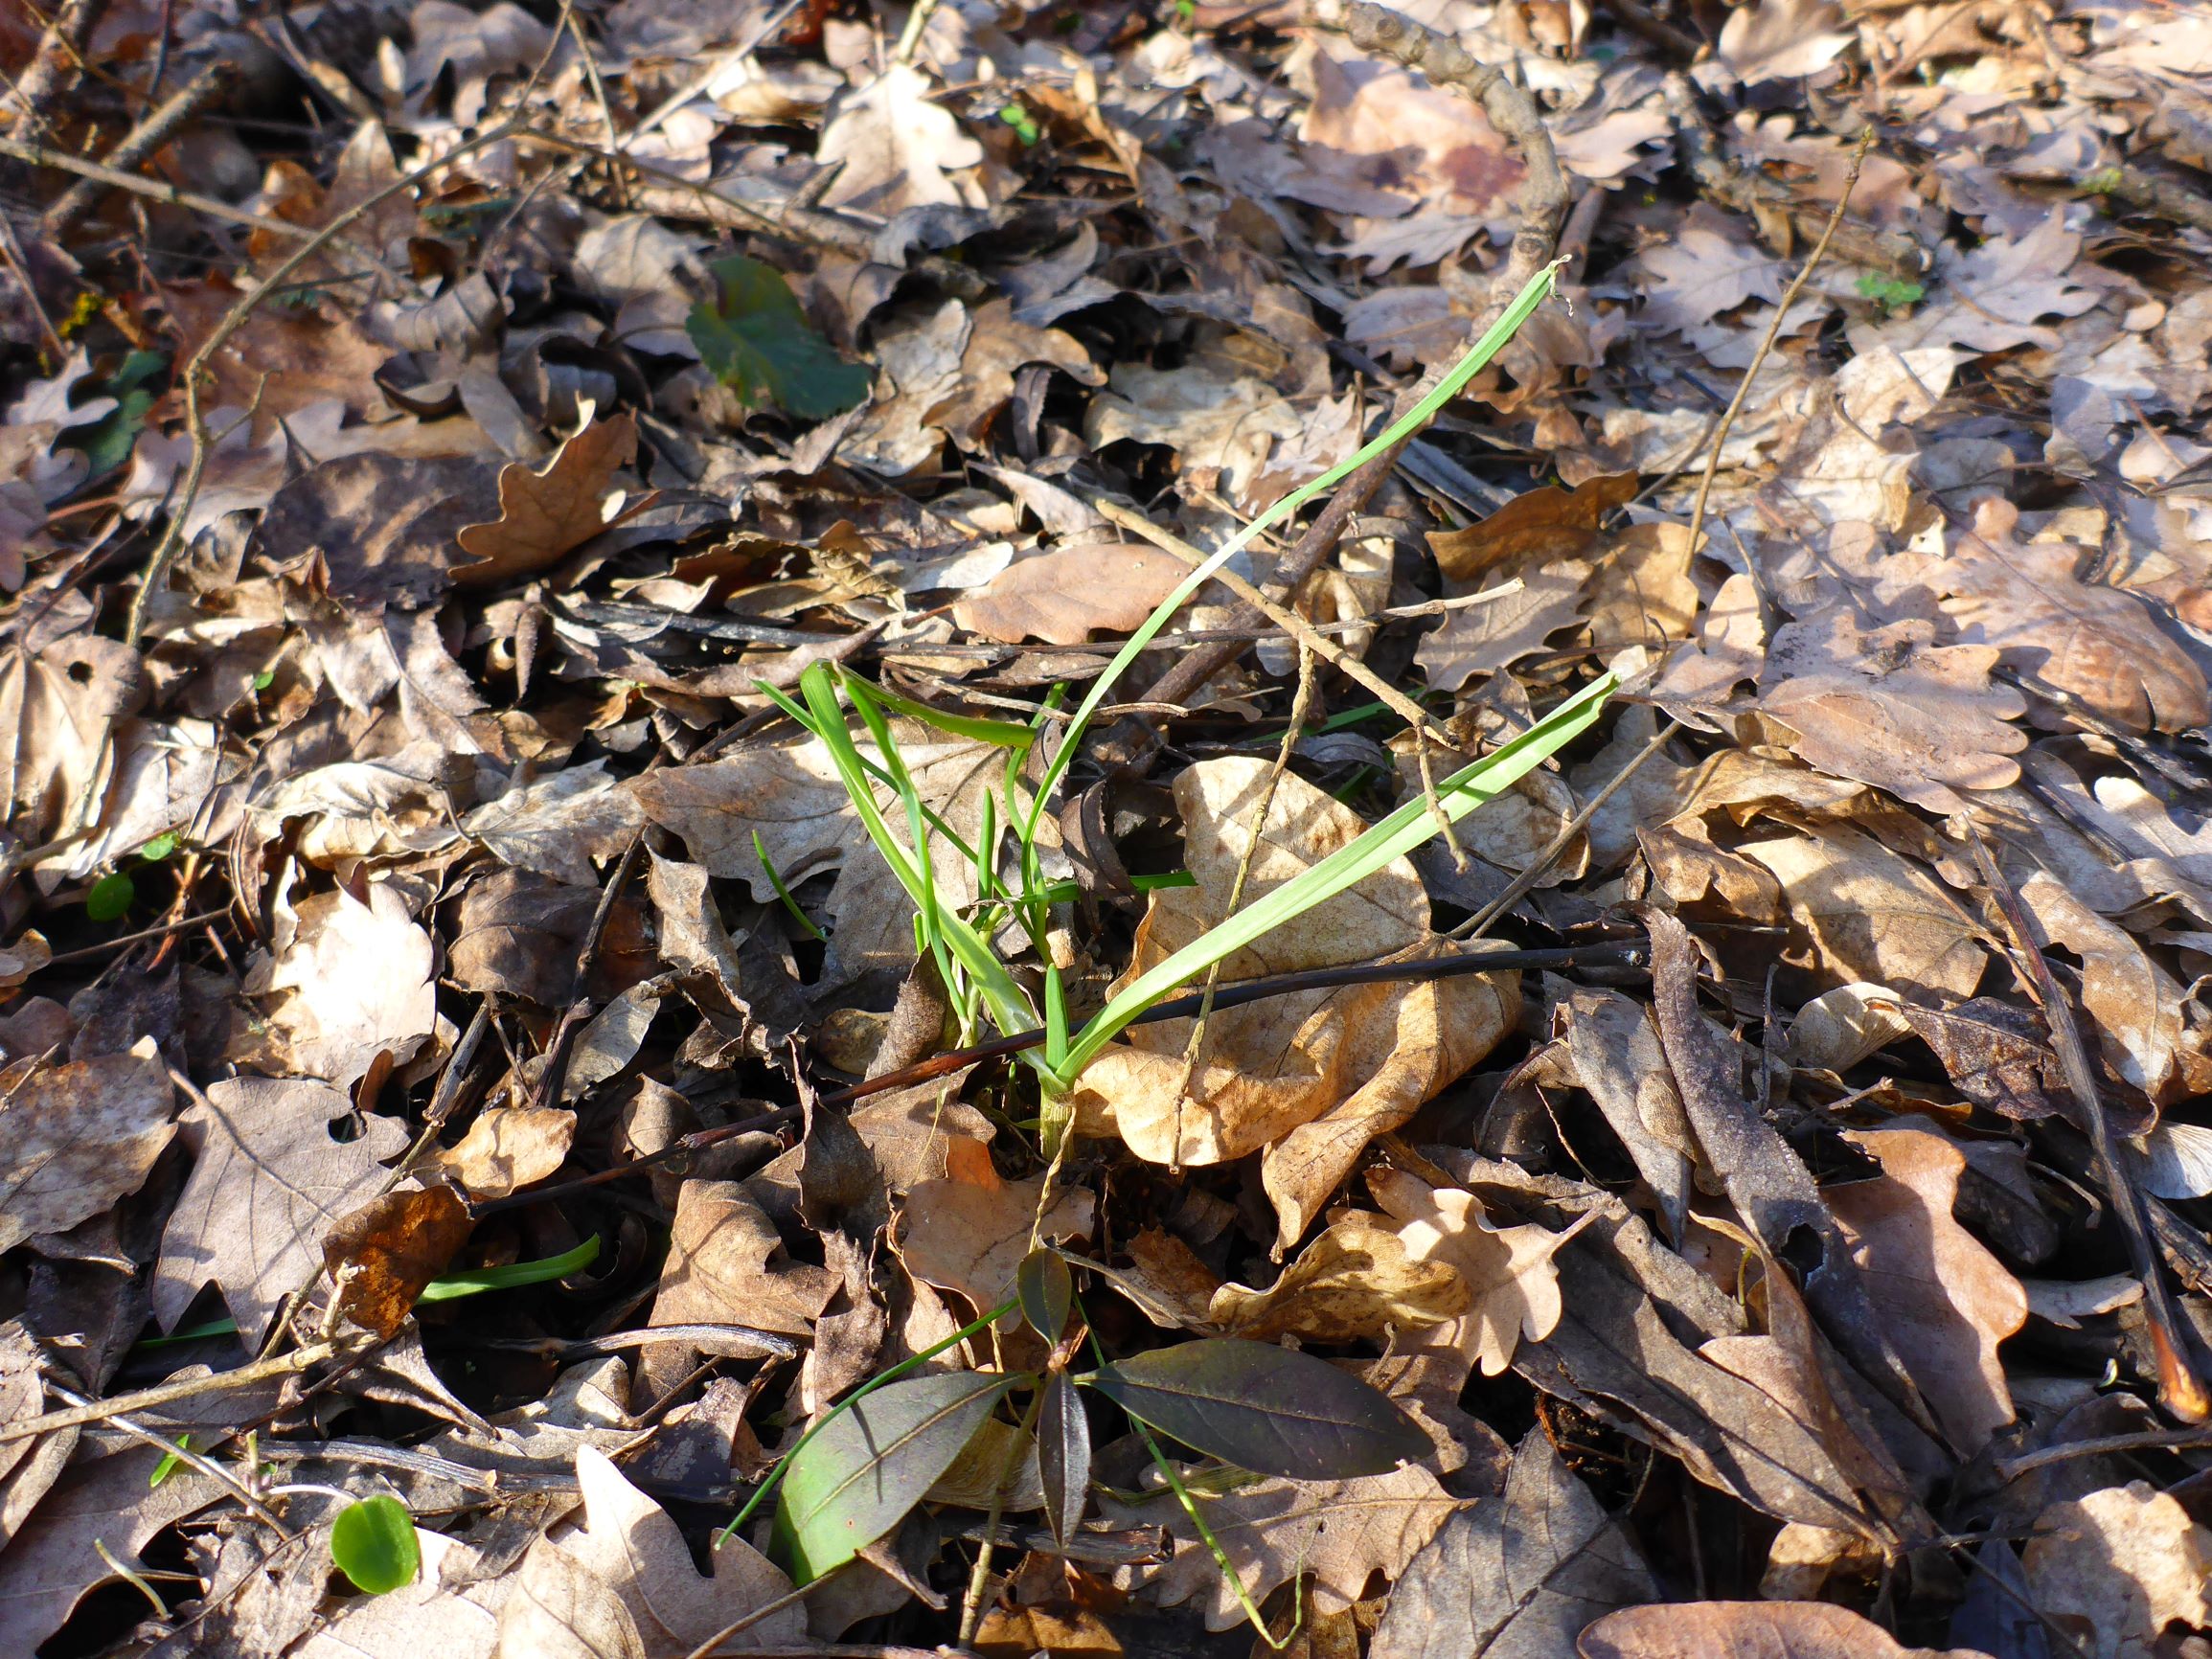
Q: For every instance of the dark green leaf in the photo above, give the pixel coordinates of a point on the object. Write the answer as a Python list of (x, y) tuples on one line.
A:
[(1063, 1456), (106, 442), (374, 1543), (1264, 1408), (1046, 1291), (755, 338), (857, 1479), (111, 896)]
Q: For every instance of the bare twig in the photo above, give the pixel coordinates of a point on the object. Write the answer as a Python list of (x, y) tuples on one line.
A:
[(177, 1449), (152, 189), (2104, 1445), (164, 550), (2180, 1390), (141, 145), (59, 51), (170, 1393), (1719, 436)]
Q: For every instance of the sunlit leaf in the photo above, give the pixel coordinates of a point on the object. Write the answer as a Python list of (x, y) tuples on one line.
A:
[(1264, 1408), (1046, 1291), (1063, 1456), (374, 1543), (855, 1479)]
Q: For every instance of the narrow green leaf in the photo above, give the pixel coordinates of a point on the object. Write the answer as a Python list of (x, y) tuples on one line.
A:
[(1046, 1291), (1455, 379), (859, 1475), (755, 339), (1264, 1408), (111, 896), (513, 1276), (373, 1544), (1005, 733), (775, 880), (1064, 1457), (170, 1463), (1396, 835)]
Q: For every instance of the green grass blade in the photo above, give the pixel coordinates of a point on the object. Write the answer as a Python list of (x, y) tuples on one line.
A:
[(1005, 733), (1395, 836), (776, 880), (1478, 356)]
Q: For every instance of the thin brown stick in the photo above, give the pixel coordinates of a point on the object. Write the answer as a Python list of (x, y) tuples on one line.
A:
[(2104, 1445), (1193, 1051), (152, 189), (88, 952), (1720, 439), (184, 1454), (164, 550), (2180, 1389), (140, 146), (170, 1393), (1478, 924), (60, 51)]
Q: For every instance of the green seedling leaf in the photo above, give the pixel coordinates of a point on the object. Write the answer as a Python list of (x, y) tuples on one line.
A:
[(1264, 1408), (161, 847), (1894, 292), (755, 338), (863, 1471), (514, 1276), (170, 1463), (775, 880), (106, 442), (1047, 1290), (1064, 1457), (1006, 734), (374, 1543), (263, 680), (111, 896)]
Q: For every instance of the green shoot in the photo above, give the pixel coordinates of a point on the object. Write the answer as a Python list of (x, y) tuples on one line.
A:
[(760, 852)]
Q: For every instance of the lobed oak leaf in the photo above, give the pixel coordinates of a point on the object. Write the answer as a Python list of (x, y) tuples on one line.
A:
[(898, 148), (1748, 1630), (545, 512), (1359, 1278), (2115, 1567), (970, 1232)]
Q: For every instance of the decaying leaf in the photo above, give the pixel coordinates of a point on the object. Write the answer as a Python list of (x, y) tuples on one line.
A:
[(1359, 1278), (1873, 915), (75, 1138), (1313, 1077), (1947, 1301), (970, 1232), (719, 1267), (381, 1255), (268, 1182), (509, 1147), (1746, 1630), (543, 512), (2115, 1567), (354, 982), (1063, 595)]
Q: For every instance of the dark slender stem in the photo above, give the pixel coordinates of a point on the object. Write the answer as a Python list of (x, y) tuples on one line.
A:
[(1419, 970)]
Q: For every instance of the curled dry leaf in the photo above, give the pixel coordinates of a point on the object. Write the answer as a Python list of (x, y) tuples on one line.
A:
[(1359, 1278), (1947, 1301), (1512, 1284), (75, 1138), (267, 1183), (353, 982), (381, 1255), (1871, 914), (718, 1272), (1310, 1077), (509, 1147), (2115, 1568), (898, 148)]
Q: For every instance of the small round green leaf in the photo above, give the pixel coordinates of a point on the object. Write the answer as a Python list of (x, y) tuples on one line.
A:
[(1264, 1408), (374, 1543), (111, 896), (871, 1463), (1047, 1290), (161, 847)]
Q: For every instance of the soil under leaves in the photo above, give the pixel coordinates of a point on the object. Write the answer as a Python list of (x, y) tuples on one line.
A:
[(402, 857)]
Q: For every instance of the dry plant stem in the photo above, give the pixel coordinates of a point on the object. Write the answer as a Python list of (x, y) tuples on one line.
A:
[(60, 51), (737, 1626), (1195, 1050), (1544, 209), (152, 189), (1745, 191), (2180, 1392), (184, 1454), (1720, 437), (979, 1580), (1478, 924), (157, 565), (2103, 1445), (1309, 636), (141, 145), (1639, 20), (88, 952), (170, 1393)]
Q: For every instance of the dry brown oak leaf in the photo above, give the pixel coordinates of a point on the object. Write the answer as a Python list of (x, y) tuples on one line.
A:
[(1310, 1077), (1059, 597), (718, 1271), (1889, 707), (1748, 1630), (1358, 1280), (267, 1182), (2115, 1568), (970, 1232), (1949, 1302), (545, 513)]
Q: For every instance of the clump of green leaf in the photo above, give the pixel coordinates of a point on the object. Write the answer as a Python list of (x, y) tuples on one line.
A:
[(1893, 293), (373, 1544), (755, 339)]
